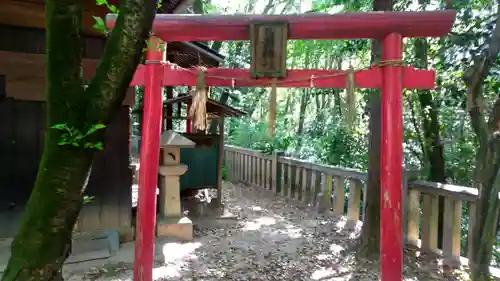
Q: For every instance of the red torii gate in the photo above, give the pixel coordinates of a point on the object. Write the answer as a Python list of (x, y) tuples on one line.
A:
[(390, 76)]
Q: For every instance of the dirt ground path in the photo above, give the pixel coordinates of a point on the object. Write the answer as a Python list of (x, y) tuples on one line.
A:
[(273, 239)]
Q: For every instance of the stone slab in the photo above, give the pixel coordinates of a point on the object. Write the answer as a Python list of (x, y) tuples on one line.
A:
[(9, 221), (180, 228), (94, 246), (85, 247)]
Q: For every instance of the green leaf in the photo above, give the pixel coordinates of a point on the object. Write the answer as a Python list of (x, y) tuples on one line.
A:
[(95, 128), (99, 24), (113, 9), (101, 2), (209, 8), (99, 126), (99, 146), (59, 127), (88, 199)]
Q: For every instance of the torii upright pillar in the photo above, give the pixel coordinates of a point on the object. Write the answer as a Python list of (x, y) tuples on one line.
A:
[(391, 244), (150, 151)]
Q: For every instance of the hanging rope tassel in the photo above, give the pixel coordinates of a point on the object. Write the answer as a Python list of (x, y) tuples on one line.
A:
[(350, 99), (272, 107), (198, 110)]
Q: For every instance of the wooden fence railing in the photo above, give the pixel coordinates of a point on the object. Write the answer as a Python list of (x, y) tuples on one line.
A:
[(315, 184)]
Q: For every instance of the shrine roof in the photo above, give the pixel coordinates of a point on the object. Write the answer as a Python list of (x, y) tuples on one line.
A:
[(172, 138), (213, 106), (187, 54)]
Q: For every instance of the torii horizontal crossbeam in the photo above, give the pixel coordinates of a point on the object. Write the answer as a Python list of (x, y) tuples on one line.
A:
[(305, 78), (373, 25)]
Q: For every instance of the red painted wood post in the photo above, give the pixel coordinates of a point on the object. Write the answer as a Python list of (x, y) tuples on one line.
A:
[(150, 153), (391, 231)]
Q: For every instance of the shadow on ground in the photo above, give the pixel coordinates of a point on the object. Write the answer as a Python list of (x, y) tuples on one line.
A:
[(273, 239)]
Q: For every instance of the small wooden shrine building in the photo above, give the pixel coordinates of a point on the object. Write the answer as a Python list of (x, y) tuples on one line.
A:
[(204, 161), (22, 116)]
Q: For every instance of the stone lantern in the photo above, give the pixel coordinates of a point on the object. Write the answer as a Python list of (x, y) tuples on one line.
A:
[(171, 222)]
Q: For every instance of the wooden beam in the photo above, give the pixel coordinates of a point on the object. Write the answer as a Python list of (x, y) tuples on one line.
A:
[(32, 40), (222, 77), (32, 14), (372, 25), (25, 76), (210, 117), (220, 164)]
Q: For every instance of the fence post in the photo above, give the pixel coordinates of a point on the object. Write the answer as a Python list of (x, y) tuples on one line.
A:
[(276, 172), (325, 197), (408, 175)]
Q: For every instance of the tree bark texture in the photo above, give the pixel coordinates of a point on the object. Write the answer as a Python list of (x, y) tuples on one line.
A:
[(432, 145), (44, 239), (369, 241), (486, 173)]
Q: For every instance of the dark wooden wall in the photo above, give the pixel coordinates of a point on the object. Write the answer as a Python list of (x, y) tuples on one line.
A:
[(22, 125), (21, 145), (111, 181), (18, 37)]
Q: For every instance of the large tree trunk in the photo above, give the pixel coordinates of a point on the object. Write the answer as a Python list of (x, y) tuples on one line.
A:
[(433, 148), (43, 241), (486, 173), (369, 246), (304, 101)]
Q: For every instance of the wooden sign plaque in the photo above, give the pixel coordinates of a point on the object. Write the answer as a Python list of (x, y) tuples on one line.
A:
[(268, 45)]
